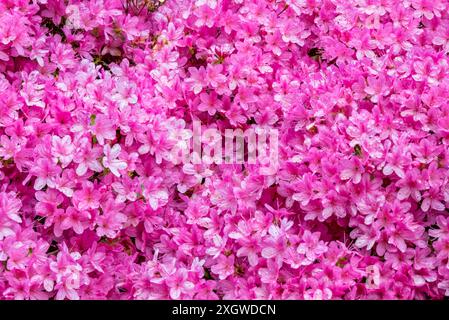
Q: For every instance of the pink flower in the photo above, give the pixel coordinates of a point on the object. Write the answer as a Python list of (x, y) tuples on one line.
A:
[(62, 149), (214, 75), (10, 206), (112, 219), (126, 190), (110, 160), (103, 129), (87, 158), (76, 220), (156, 195), (197, 79), (178, 283), (224, 267), (427, 8), (410, 185), (69, 275), (333, 205), (432, 199), (250, 244), (277, 242), (209, 103), (353, 170), (311, 247), (88, 197), (45, 172), (377, 88), (101, 198), (395, 162)]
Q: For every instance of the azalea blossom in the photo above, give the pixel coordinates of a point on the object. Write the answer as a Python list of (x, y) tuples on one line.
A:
[(106, 189), (110, 160)]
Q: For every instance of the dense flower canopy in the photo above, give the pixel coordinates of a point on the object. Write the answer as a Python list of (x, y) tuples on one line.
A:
[(95, 93)]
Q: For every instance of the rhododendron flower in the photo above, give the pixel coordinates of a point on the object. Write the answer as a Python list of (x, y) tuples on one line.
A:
[(353, 170), (107, 185), (62, 149), (45, 172), (155, 195), (110, 160), (112, 220), (224, 267), (87, 158), (103, 128), (10, 206)]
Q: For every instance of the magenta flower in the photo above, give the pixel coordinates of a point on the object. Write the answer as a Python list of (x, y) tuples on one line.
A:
[(62, 149), (87, 158), (103, 129), (209, 103), (106, 191), (197, 79), (224, 267), (353, 170), (45, 172), (110, 160)]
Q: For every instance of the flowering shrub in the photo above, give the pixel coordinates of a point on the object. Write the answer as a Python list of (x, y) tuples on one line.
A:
[(94, 95)]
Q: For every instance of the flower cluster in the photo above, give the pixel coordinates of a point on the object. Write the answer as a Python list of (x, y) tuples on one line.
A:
[(94, 94)]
